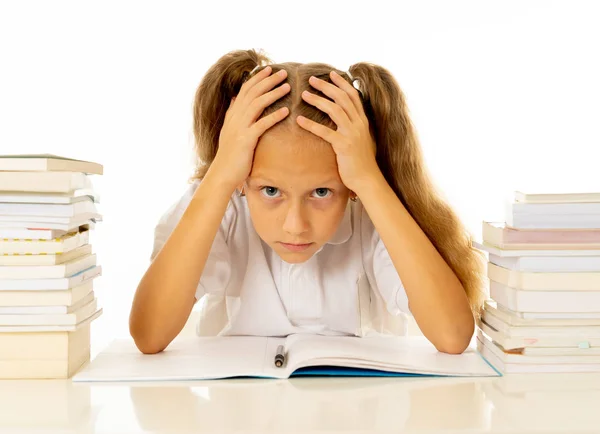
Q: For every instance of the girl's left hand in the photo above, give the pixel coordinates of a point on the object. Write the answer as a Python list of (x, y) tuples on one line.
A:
[(352, 142)]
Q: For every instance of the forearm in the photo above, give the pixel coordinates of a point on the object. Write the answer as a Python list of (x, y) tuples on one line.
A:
[(436, 297), (166, 293)]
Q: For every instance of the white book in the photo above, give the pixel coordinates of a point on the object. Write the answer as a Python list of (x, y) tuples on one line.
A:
[(45, 259), (520, 368), (527, 320), (71, 318), (65, 270), (203, 358), (47, 163), (45, 221), (540, 264), (67, 297), (51, 284), (63, 244), (517, 355), (47, 310), (21, 210), (51, 182), (545, 301), (551, 315), (49, 328), (34, 197), (520, 196), (547, 209), (542, 221), (513, 342), (544, 281), (39, 233), (526, 253), (70, 225)]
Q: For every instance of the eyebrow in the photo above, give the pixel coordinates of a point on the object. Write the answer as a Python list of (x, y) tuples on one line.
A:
[(269, 182)]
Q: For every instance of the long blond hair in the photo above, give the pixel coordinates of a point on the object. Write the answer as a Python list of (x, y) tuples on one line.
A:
[(399, 154)]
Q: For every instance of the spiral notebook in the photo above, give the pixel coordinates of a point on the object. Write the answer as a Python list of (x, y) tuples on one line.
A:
[(205, 358)]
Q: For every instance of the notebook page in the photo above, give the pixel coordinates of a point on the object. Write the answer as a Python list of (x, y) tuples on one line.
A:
[(414, 354), (194, 358)]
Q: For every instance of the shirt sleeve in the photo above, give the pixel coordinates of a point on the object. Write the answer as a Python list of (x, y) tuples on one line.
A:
[(380, 270), (217, 269)]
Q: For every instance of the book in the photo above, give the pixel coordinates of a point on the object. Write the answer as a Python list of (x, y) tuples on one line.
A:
[(550, 221), (65, 270), (44, 259), (512, 318), (520, 196), (8, 233), (57, 345), (533, 252), (47, 162), (44, 182), (545, 301), (78, 208), (51, 284), (63, 244), (5, 329), (56, 198), (544, 281), (540, 264), (67, 297), (71, 318), (44, 369), (516, 368), (518, 355), (555, 209), (47, 310), (51, 222), (503, 236), (514, 342), (203, 358)]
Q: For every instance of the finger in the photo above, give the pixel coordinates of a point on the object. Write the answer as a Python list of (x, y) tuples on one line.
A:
[(339, 94), (268, 121), (266, 84), (350, 90), (259, 104), (317, 129), (335, 112), (260, 75)]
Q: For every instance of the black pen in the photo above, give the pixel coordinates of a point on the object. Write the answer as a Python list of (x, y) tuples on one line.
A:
[(280, 356)]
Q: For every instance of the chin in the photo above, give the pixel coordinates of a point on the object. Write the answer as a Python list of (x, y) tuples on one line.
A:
[(294, 257)]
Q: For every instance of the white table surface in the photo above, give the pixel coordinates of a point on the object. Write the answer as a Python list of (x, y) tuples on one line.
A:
[(541, 403)]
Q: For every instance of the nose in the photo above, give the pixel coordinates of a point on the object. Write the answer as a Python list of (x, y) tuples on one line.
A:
[(295, 222)]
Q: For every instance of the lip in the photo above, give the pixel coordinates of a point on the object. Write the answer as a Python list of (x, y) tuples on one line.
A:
[(296, 247)]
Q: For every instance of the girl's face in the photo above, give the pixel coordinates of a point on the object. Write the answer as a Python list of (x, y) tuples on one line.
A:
[(295, 195)]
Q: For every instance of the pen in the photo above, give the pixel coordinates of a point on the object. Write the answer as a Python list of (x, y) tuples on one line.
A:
[(280, 356)]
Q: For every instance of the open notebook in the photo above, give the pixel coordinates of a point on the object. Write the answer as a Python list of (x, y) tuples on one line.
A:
[(204, 358)]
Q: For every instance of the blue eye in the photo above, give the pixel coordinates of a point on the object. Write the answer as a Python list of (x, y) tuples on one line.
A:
[(322, 193), (270, 191)]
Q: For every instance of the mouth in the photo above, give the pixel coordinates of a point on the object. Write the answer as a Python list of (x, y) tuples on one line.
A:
[(296, 247)]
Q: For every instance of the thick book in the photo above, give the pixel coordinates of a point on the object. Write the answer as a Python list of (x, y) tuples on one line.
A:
[(44, 259), (510, 366), (62, 244), (47, 162), (5, 330), (47, 310), (500, 235), (81, 207), (511, 318), (67, 297), (50, 198), (553, 221), (44, 182), (204, 358), (540, 264), (67, 269), (525, 197), (29, 232), (51, 284), (51, 222), (505, 253), (545, 301), (544, 281)]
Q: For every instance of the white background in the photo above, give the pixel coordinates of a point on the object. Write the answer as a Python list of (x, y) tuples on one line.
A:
[(504, 96)]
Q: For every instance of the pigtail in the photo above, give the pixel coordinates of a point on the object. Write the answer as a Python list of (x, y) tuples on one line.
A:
[(213, 96), (400, 159)]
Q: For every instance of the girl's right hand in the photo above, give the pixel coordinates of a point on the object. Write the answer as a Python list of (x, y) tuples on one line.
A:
[(240, 133)]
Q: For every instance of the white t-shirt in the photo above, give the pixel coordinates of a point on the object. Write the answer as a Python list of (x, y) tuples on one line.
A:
[(348, 287)]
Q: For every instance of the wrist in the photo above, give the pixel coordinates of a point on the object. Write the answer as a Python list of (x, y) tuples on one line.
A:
[(218, 182), (372, 181)]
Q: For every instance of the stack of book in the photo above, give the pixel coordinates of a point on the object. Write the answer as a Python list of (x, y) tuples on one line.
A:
[(47, 267), (544, 273)]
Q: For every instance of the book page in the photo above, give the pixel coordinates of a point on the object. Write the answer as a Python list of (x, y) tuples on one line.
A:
[(414, 354), (194, 358)]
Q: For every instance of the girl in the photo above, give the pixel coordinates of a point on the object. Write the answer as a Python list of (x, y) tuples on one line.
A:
[(311, 212)]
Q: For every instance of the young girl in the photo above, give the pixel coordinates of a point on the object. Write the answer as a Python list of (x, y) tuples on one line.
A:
[(311, 212)]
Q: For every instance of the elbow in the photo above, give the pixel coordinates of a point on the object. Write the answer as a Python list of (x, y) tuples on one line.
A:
[(456, 341), (147, 343)]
